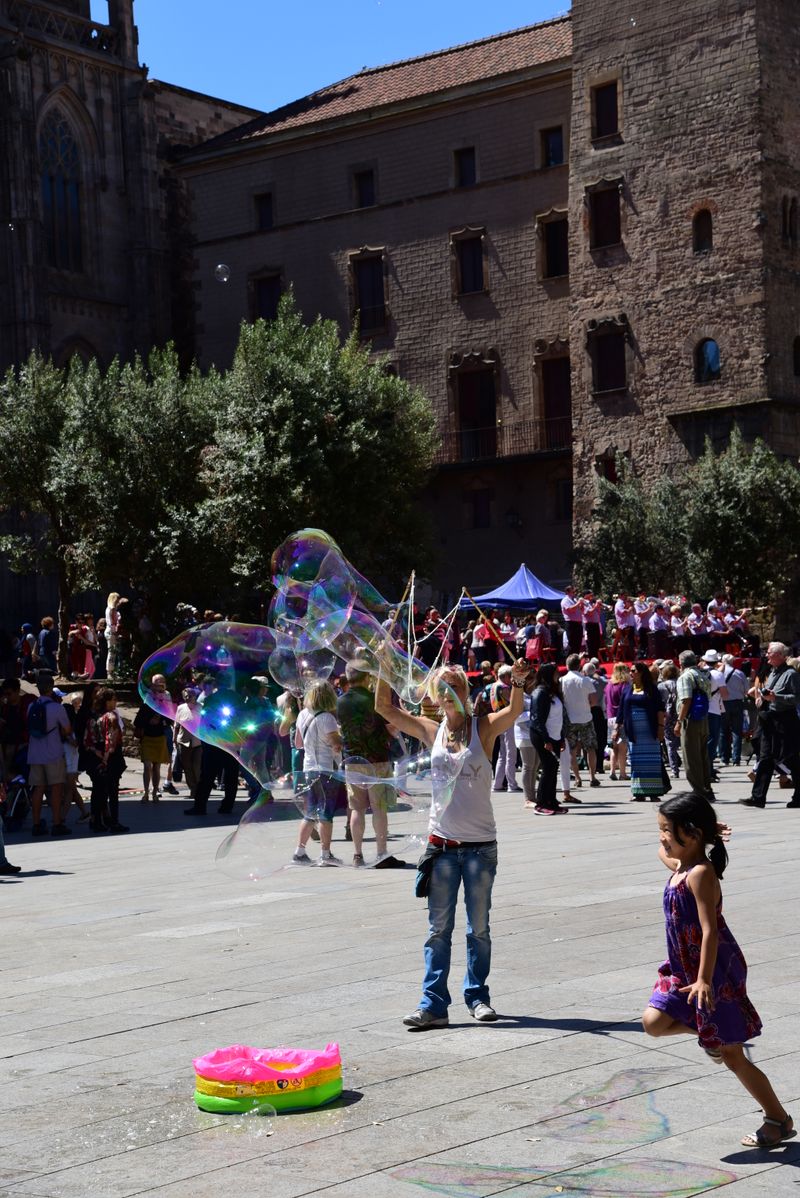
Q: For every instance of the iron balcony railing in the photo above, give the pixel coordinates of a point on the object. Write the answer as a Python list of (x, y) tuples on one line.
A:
[(504, 440)]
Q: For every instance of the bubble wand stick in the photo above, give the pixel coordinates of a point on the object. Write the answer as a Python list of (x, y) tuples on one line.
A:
[(390, 629)]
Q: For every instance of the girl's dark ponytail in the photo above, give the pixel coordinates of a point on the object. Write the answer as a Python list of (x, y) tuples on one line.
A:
[(718, 856), (694, 814)]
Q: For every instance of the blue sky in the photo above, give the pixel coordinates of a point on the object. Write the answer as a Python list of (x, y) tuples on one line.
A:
[(263, 53)]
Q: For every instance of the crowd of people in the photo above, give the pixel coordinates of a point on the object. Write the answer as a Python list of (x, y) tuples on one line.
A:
[(647, 722), (646, 626)]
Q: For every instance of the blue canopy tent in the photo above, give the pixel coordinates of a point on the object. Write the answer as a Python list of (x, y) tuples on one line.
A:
[(522, 591)]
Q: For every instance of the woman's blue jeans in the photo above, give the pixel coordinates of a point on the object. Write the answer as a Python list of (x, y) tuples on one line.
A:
[(475, 866)]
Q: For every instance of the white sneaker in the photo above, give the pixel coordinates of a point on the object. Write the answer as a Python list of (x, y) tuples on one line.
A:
[(483, 1012), (328, 859), (301, 857)]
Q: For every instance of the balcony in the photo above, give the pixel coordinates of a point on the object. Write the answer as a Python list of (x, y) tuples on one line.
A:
[(89, 35), (504, 441)]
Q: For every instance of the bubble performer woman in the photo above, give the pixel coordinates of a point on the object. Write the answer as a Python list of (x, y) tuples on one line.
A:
[(462, 839), (702, 986)]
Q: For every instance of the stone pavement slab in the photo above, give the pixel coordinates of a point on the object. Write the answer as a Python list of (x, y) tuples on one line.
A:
[(126, 957)]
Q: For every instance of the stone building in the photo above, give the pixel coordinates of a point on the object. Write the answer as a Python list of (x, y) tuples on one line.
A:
[(580, 239), (93, 253), (427, 202), (684, 254)]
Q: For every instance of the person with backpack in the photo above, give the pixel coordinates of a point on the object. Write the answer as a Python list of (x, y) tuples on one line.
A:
[(48, 727), (694, 693)]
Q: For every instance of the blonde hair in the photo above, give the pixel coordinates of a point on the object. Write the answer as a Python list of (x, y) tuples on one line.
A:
[(73, 697), (435, 679), (113, 599), (620, 673), (320, 696)]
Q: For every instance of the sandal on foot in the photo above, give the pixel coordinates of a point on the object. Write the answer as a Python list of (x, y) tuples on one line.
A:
[(757, 1139)]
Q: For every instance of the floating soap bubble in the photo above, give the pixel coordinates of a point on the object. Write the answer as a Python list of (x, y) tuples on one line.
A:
[(324, 615), (222, 273), (223, 662), (264, 840)]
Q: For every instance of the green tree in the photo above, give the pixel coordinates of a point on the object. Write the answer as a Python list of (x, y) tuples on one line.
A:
[(743, 506), (313, 433), (101, 471), (636, 539), (729, 518)]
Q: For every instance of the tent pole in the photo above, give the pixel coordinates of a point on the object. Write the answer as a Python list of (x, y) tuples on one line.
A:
[(506, 649)]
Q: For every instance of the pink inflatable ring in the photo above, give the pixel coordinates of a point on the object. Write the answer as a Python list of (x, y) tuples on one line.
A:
[(236, 1079)]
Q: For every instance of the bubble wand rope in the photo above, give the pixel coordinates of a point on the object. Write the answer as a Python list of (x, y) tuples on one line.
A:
[(399, 608), (506, 649), (449, 619)]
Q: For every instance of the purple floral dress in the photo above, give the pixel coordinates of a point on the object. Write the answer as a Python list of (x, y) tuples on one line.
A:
[(734, 1018)]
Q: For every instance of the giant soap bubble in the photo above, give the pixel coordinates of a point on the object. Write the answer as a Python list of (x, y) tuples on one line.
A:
[(324, 614)]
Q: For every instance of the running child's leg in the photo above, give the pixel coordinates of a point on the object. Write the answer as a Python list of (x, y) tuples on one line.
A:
[(758, 1086), (659, 1023)]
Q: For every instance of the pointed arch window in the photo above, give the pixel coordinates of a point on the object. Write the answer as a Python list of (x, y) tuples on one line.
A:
[(60, 163)]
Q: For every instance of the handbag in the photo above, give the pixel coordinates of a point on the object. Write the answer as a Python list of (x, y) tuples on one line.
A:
[(422, 883)]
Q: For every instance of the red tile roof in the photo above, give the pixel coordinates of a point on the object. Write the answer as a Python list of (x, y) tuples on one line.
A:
[(378, 87)]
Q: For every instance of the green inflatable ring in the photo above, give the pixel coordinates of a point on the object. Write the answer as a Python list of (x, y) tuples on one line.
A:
[(297, 1100)]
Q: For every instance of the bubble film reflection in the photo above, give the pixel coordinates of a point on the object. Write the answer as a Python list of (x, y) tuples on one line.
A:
[(324, 616), (221, 663)]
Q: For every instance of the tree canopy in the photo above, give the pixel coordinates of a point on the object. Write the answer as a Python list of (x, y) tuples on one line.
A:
[(728, 518), (312, 433), (142, 476)]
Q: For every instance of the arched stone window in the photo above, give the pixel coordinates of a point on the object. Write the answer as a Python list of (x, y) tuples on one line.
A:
[(60, 163), (796, 356), (703, 232), (707, 362)]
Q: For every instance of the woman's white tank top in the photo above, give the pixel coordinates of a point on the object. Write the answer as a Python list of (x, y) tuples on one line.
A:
[(461, 806)]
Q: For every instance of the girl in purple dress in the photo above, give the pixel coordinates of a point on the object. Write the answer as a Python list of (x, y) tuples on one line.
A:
[(702, 986)]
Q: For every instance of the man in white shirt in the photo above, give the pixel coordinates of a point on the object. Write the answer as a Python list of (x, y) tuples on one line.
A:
[(698, 629), (625, 619), (592, 623), (643, 609), (572, 611), (659, 632), (48, 728), (580, 696), (719, 693)]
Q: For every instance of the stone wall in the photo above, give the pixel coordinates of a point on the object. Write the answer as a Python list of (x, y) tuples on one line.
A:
[(429, 331), (690, 138)]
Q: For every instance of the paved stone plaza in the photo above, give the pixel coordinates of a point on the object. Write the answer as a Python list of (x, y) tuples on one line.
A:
[(124, 958)]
